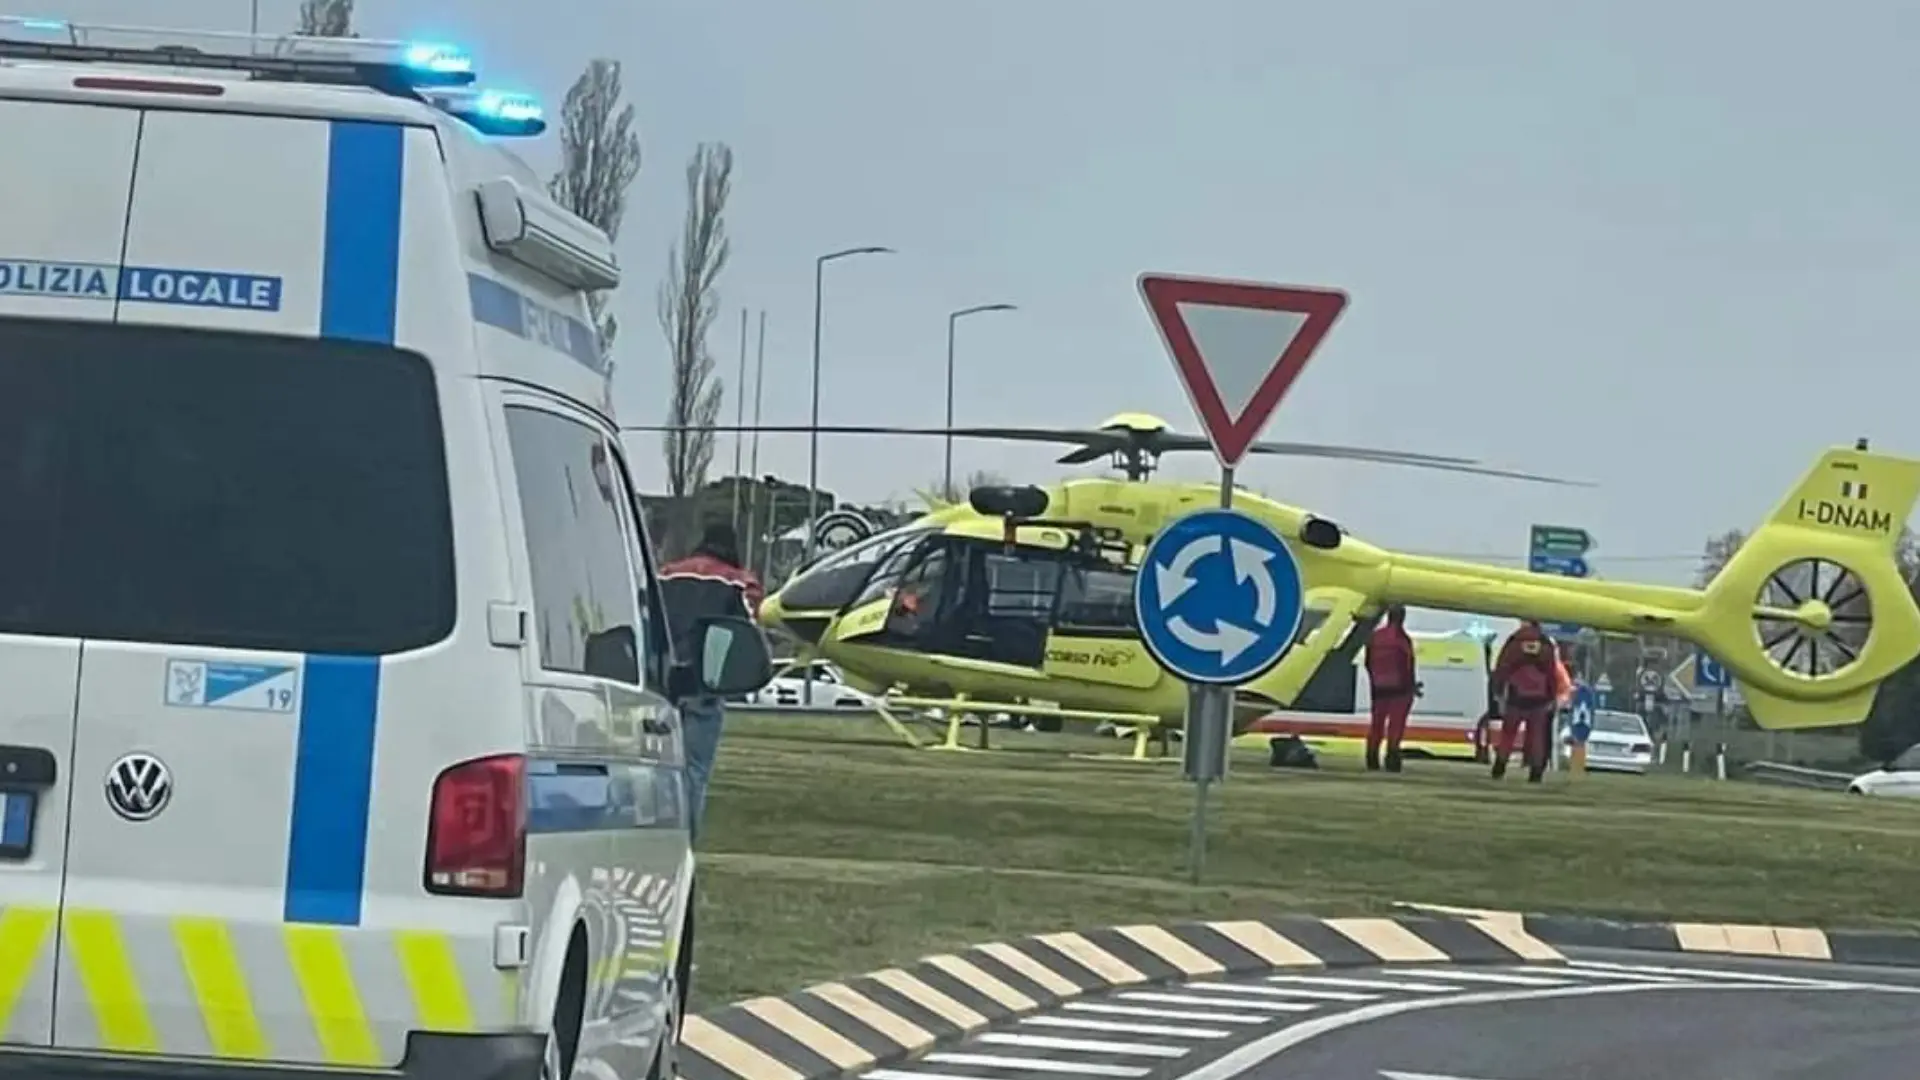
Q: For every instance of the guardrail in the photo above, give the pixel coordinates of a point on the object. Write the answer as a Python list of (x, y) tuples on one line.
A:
[(1778, 772)]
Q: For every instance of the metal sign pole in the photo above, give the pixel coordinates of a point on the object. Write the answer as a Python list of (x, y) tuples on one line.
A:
[(1209, 739)]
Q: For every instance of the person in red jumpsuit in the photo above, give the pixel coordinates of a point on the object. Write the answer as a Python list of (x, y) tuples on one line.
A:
[(1390, 677), (1523, 680)]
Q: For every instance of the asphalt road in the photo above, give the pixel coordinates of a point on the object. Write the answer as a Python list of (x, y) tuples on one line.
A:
[(1605, 1015), (1733, 1019)]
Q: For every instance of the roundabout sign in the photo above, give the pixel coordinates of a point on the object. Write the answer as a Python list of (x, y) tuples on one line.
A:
[(1218, 597)]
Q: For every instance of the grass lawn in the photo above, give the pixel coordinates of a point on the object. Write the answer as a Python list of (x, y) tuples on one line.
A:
[(830, 849)]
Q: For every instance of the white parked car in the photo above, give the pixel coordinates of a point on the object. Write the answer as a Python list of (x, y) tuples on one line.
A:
[(1620, 742), (830, 690), (1901, 777)]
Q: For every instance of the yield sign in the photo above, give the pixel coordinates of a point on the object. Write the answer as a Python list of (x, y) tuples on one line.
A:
[(1238, 346)]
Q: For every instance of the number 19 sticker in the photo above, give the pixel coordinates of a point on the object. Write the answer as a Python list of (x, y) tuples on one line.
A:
[(212, 684)]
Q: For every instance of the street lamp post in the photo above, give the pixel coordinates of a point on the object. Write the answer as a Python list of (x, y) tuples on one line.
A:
[(813, 436), (953, 319)]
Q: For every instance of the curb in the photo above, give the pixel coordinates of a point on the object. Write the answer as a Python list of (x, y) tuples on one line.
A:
[(1872, 948), (884, 1017)]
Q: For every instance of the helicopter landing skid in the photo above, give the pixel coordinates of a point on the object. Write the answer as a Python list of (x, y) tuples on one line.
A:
[(956, 710)]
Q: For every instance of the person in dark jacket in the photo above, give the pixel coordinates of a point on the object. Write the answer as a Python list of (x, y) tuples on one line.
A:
[(1391, 671), (710, 582), (1524, 685)]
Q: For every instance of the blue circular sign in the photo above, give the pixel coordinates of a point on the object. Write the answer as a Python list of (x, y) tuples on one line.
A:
[(1218, 597), (1580, 716)]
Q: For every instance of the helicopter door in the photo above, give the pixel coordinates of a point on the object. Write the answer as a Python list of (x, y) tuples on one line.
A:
[(1096, 637), (1332, 687), (1005, 609)]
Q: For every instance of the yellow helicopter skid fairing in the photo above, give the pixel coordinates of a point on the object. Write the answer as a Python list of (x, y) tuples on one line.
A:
[(1809, 616)]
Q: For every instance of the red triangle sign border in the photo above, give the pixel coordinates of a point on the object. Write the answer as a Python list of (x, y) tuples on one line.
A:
[(1231, 436)]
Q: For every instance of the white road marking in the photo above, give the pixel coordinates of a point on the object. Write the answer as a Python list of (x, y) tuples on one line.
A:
[(1575, 974), (1127, 1027), (1506, 977), (1165, 1014), (1236, 1003), (1700, 973), (1261, 990), (903, 1074), (1030, 1064), (1260, 1050), (1084, 1046), (1365, 984)]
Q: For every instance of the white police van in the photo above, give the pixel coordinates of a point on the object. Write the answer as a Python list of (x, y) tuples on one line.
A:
[(335, 694)]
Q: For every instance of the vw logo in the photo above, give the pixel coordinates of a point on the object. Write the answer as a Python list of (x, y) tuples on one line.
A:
[(139, 787)]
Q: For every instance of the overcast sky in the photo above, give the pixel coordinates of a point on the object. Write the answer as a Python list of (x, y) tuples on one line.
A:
[(1671, 248)]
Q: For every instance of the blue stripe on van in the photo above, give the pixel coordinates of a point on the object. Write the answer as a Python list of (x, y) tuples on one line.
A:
[(332, 790), (504, 307), (360, 274), (340, 696)]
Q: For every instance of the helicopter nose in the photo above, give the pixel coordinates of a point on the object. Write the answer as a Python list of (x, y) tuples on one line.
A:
[(772, 615), (805, 626)]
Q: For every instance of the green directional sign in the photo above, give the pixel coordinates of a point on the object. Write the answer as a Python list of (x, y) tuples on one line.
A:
[(1560, 540)]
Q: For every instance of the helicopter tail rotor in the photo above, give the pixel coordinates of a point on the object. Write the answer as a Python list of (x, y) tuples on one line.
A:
[(1813, 610)]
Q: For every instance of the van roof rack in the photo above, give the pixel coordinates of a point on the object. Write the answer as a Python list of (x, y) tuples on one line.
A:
[(408, 69)]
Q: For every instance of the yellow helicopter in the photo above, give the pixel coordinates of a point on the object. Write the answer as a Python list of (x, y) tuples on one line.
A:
[(1026, 593)]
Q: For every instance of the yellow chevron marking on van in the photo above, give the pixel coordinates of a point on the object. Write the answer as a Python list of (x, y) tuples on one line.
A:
[(22, 931), (93, 938), (320, 965), (439, 997), (220, 988)]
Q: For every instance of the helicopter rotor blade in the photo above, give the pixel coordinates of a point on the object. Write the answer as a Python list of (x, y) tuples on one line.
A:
[(1039, 435), (1092, 445), (1471, 467)]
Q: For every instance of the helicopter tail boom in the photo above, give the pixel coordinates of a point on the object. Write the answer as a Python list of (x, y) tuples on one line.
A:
[(1810, 614)]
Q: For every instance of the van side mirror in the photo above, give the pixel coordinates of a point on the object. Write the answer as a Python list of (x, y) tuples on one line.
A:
[(730, 658)]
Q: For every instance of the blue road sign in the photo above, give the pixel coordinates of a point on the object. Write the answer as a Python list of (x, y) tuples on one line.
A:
[(1547, 562), (1218, 597), (1580, 716), (1709, 674)]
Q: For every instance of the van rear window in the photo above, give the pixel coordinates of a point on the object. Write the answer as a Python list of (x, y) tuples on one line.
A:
[(215, 489)]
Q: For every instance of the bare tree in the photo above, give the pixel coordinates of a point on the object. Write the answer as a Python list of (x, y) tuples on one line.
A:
[(688, 302), (1716, 554), (599, 161), (326, 18)]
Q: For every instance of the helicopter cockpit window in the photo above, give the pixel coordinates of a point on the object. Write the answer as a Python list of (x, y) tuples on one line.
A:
[(887, 574), (836, 579), (1020, 588), (1095, 602)]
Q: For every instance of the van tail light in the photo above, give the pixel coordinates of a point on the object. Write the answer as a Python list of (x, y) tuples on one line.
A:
[(477, 828), (1641, 748)]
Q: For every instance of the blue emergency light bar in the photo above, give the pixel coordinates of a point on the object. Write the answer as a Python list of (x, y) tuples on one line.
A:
[(496, 112), (398, 67)]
